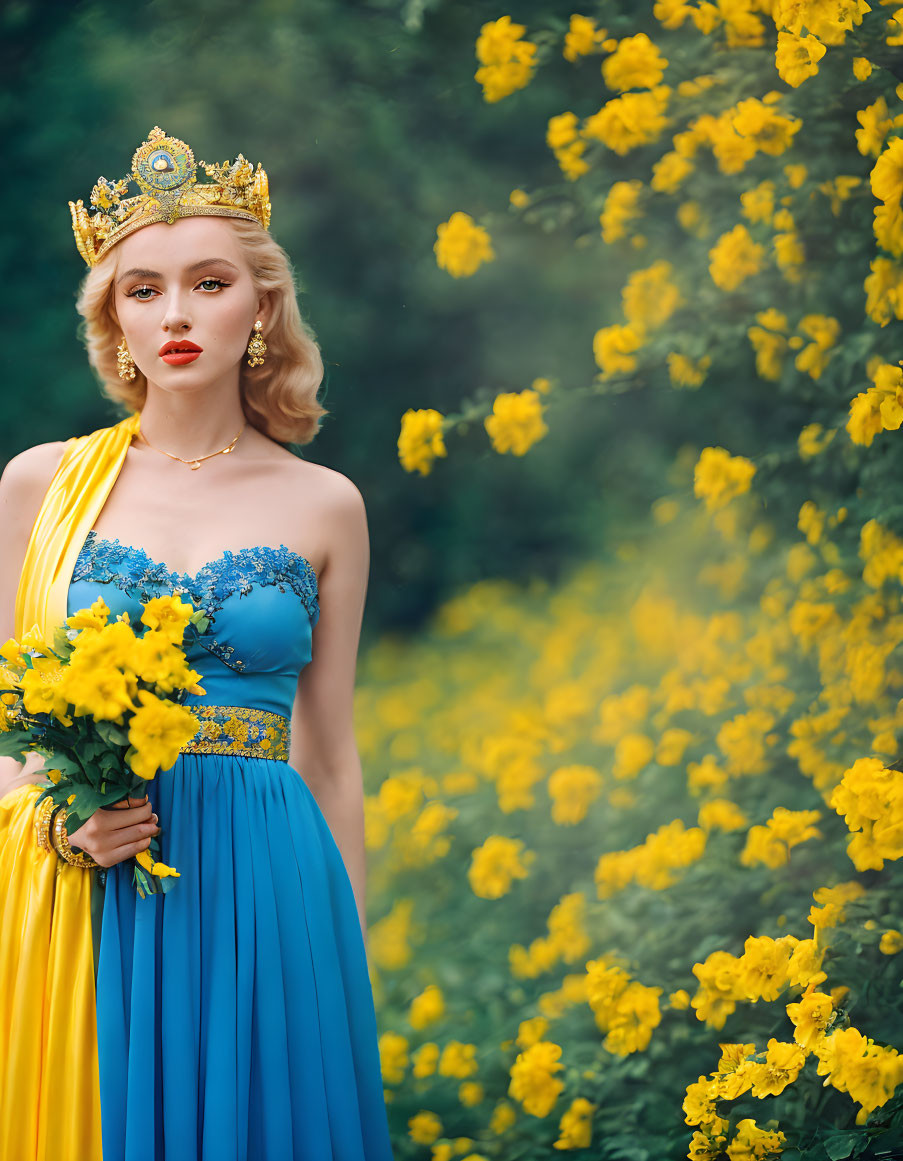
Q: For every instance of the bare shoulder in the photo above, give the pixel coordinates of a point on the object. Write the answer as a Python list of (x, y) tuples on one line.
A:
[(326, 490), (26, 477)]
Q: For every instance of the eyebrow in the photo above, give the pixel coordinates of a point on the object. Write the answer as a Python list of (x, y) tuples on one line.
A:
[(139, 272)]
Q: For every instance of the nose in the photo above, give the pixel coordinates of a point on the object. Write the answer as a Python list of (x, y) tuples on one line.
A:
[(176, 317)]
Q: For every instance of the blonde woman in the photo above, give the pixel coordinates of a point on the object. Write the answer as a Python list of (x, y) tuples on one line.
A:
[(231, 1018)]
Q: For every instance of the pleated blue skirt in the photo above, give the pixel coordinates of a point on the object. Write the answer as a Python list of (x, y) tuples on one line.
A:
[(235, 1015)]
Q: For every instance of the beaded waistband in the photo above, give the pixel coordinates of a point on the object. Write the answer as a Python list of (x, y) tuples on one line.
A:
[(240, 729)]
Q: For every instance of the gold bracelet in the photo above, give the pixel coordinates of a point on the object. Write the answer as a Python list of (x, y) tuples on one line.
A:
[(43, 815), (61, 843)]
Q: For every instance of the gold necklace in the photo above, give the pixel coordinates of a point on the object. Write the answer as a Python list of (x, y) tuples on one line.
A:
[(196, 463)]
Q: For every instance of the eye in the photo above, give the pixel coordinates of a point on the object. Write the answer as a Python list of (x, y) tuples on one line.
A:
[(209, 285)]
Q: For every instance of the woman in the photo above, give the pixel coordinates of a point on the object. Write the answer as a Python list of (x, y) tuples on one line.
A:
[(232, 1017)]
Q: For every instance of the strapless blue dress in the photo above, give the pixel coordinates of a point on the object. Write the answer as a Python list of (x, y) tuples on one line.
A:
[(235, 1014)]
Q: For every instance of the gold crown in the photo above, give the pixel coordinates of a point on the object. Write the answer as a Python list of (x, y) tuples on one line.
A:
[(164, 168)]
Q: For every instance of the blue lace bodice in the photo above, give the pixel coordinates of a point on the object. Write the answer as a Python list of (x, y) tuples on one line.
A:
[(263, 603)]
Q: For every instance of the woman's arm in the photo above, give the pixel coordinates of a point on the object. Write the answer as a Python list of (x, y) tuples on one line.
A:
[(323, 748), (23, 485)]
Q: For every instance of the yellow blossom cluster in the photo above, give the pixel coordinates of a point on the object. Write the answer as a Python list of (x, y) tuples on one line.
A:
[(771, 844), (496, 864), (113, 674), (420, 439), (533, 1080), (622, 206), (515, 423), (653, 863), (582, 37), (719, 476), (626, 1010), (766, 967), (507, 61), (878, 409), (870, 799), (771, 341), (567, 940), (462, 246), (649, 298)]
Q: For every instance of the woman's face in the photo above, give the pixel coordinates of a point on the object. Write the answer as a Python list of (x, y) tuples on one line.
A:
[(189, 283)]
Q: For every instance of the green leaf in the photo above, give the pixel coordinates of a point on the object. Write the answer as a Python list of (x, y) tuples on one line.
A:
[(845, 1145), (112, 733)]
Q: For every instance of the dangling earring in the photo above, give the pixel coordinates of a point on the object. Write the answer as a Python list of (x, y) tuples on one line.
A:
[(125, 360), (257, 348)]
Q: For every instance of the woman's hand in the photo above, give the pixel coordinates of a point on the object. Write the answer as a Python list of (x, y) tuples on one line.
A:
[(116, 833)]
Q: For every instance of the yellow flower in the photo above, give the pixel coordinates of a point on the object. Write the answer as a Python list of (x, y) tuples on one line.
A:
[(669, 171), (782, 1065), (420, 440), (162, 870), (771, 132), (718, 477), (734, 258), (43, 688), (621, 206), (572, 790), (495, 864), (758, 202), (891, 942), (636, 63), (887, 173), (811, 1016), (424, 1060), (650, 297), (470, 1093), (671, 13), (721, 814), (634, 119), (101, 691), (582, 37), (796, 57), (532, 1078), (874, 126), (507, 61), (561, 130), (157, 732), (613, 348), (458, 1059), (427, 1007), (516, 421), (169, 615), (93, 618), (576, 1125), (752, 1142), (813, 439), (685, 372), (462, 246), (157, 658), (424, 1127), (393, 1056)]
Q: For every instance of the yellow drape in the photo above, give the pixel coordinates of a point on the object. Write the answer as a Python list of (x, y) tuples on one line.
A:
[(49, 1090)]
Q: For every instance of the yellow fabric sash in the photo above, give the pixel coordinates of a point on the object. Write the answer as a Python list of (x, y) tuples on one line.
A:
[(49, 1084)]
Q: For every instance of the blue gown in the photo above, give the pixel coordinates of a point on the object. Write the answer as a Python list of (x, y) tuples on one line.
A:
[(235, 1016)]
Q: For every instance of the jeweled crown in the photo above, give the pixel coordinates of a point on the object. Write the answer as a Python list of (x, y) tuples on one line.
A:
[(164, 169)]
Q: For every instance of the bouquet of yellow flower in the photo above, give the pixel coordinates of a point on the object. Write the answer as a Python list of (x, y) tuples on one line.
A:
[(102, 702)]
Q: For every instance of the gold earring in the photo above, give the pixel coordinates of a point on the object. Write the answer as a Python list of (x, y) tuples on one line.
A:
[(257, 348), (125, 360)]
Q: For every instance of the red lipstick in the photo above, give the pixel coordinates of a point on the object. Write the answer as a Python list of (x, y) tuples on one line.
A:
[(179, 351)]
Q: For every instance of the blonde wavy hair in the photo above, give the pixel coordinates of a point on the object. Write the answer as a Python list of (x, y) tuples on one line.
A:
[(279, 397)]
